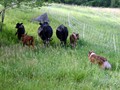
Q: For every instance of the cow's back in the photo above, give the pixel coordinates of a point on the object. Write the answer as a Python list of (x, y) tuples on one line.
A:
[(62, 33), (45, 32)]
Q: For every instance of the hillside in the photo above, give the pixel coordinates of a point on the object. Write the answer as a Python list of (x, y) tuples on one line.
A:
[(56, 67)]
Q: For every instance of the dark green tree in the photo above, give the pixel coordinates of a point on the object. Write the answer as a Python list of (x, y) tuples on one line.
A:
[(10, 3), (112, 3)]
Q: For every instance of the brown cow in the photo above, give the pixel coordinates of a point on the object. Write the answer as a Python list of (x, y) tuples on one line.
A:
[(73, 39), (27, 40)]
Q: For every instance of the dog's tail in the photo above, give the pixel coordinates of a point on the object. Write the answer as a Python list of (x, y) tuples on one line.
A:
[(107, 65)]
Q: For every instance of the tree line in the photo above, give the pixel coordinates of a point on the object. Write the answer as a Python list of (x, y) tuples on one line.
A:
[(34, 3), (95, 3)]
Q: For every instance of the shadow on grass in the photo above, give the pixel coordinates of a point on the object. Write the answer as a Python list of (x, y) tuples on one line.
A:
[(7, 37)]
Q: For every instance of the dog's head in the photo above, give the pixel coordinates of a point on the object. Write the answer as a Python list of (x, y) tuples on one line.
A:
[(89, 53)]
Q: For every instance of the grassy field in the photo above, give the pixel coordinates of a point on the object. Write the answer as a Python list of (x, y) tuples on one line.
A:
[(56, 67)]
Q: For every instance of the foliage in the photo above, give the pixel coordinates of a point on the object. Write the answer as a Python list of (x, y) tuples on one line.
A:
[(99, 3), (7, 3), (11, 3)]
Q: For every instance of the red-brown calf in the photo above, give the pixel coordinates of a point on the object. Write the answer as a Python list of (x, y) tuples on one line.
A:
[(27, 40), (73, 39)]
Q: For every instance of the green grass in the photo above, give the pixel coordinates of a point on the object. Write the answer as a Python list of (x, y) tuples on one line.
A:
[(56, 67)]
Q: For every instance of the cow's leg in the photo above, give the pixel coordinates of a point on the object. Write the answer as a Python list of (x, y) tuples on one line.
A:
[(75, 44), (23, 44), (29, 43), (19, 37), (72, 45), (47, 42), (65, 42), (44, 42), (61, 43), (32, 43)]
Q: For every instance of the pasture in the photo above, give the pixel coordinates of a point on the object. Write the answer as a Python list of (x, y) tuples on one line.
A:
[(56, 67)]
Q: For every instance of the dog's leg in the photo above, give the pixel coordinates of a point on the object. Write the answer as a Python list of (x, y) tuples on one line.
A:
[(91, 65)]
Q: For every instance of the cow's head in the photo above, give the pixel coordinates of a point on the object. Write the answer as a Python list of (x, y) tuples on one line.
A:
[(77, 35), (40, 23), (19, 25), (44, 23)]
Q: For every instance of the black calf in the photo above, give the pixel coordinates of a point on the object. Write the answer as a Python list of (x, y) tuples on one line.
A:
[(20, 30), (62, 34), (45, 32)]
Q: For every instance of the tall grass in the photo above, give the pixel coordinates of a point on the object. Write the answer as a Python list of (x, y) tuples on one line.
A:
[(56, 67)]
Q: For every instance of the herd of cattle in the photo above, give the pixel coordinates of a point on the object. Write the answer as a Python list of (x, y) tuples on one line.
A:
[(45, 32)]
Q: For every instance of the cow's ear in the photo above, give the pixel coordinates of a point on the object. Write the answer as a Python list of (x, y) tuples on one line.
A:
[(17, 24), (21, 23), (77, 34), (40, 23), (45, 22)]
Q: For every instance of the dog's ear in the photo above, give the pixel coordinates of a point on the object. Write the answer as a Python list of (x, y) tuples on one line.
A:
[(90, 52)]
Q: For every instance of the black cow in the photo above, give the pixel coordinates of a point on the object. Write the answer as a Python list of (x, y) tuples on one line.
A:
[(20, 30), (45, 32), (62, 34)]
